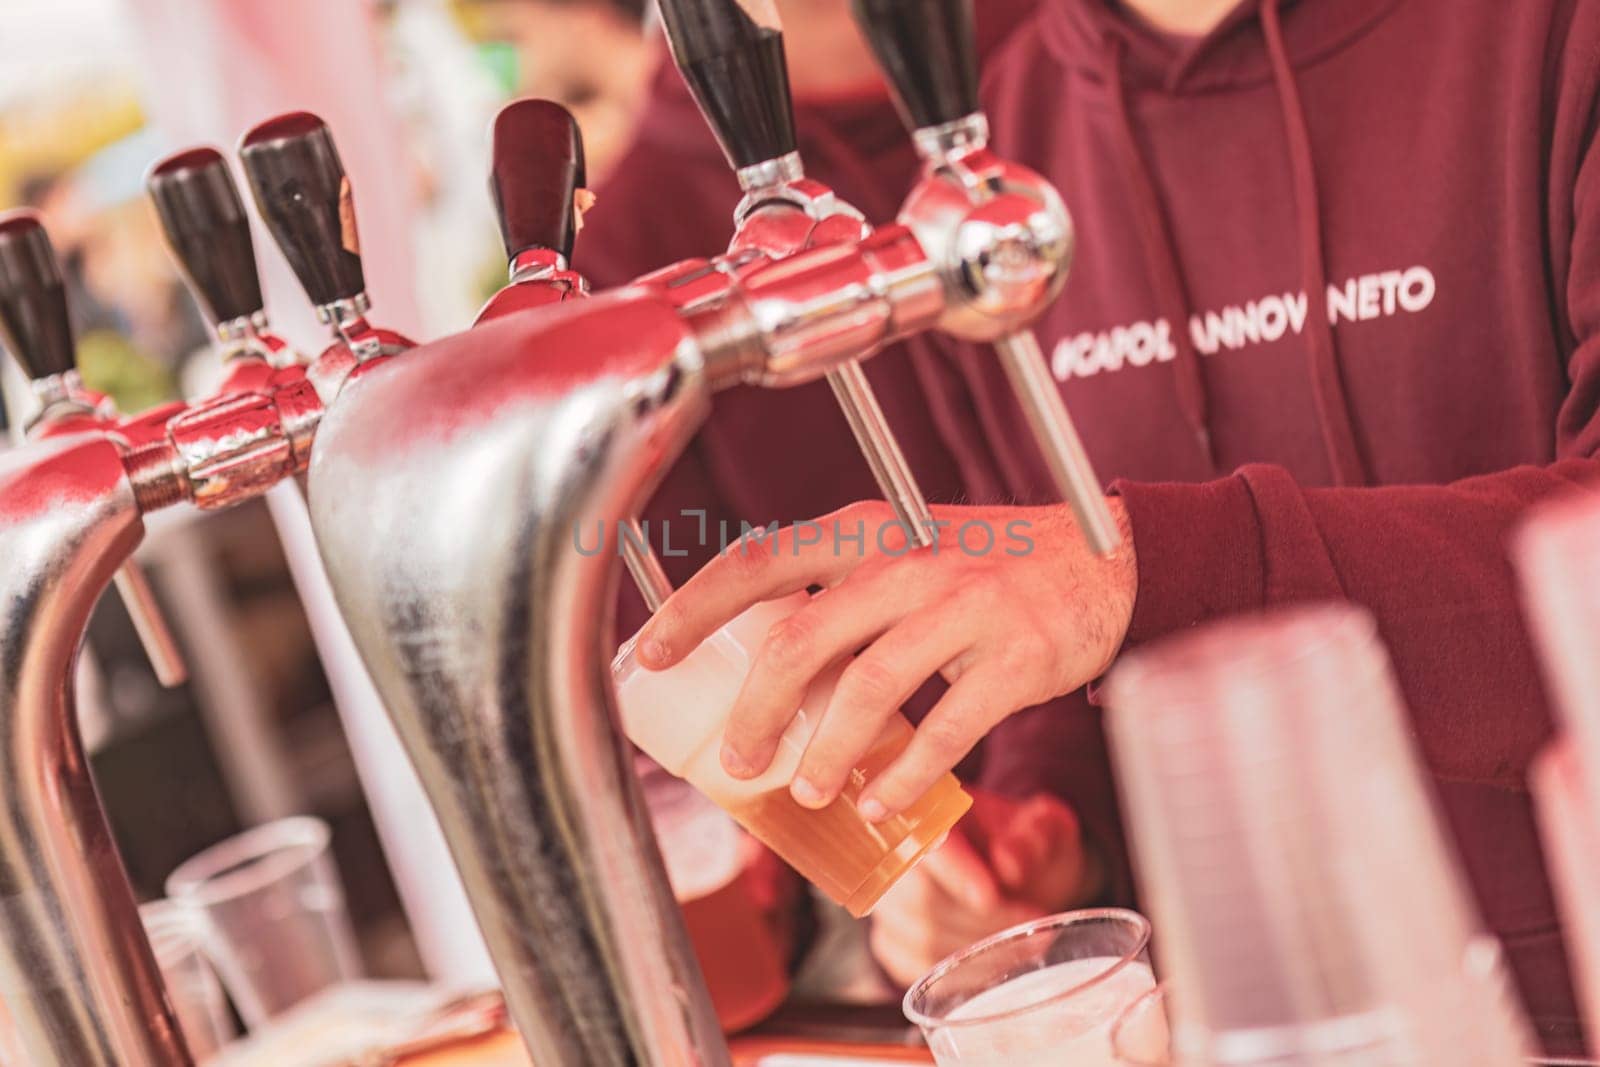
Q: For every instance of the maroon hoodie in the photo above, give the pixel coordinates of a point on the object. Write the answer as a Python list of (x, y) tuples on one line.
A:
[(1418, 165), (1332, 246)]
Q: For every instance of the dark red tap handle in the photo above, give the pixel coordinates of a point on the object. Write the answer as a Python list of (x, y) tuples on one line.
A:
[(34, 325), (304, 196), (731, 54), (928, 52), (209, 233), (537, 170)]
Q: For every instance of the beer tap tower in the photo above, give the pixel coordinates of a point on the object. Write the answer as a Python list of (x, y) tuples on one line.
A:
[(36, 329), (207, 229), (82, 987), (447, 486), (447, 489), (81, 984)]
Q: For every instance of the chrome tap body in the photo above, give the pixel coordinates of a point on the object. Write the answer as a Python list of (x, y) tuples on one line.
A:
[(456, 493)]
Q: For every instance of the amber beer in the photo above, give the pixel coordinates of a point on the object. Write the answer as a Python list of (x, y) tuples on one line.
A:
[(677, 717)]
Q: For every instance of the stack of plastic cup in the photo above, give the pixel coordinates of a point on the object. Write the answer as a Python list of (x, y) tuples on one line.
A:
[(1292, 859), (1558, 561)]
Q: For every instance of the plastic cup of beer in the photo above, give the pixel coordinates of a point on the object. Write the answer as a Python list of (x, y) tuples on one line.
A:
[(1044, 992), (192, 986), (273, 915), (1142, 1035), (677, 717)]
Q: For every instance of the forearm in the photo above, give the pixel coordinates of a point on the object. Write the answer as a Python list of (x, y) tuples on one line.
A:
[(1429, 562)]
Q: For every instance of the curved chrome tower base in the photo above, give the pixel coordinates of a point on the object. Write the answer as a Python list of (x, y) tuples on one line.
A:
[(448, 490), (76, 974)]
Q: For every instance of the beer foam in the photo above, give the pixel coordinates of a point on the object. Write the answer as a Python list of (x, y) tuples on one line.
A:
[(1068, 1027)]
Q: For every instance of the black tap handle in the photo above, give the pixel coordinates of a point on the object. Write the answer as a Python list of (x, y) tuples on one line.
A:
[(731, 54), (928, 53), (537, 170), (34, 326), (304, 195), (209, 233)]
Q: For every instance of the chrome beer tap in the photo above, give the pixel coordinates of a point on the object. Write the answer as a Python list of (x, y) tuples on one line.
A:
[(731, 54), (79, 982), (537, 182), (304, 196), (36, 329), (537, 179), (968, 195), (450, 491), (208, 232)]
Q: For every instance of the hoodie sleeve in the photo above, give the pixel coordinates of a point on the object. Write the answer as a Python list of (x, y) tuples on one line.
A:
[(1430, 562)]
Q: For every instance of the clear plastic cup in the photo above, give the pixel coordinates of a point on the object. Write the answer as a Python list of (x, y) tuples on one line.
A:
[(273, 915), (1570, 831), (1558, 562), (1289, 850), (192, 986), (1044, 992), (740, 953), (677, 717), (1142, 1036)]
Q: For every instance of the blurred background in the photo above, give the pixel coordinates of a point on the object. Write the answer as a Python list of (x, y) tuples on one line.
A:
[(91, 93)]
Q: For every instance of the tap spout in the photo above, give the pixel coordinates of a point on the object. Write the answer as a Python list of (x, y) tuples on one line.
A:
[(76, 971)]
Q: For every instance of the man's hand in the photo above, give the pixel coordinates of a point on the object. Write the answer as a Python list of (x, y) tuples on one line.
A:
[(1008, 862), (1012, 608)]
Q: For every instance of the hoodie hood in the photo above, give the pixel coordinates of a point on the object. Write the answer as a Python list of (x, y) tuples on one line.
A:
[(1231, 56)]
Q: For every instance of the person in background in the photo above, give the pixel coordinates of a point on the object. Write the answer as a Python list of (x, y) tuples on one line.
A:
[(590, 56), (1348, 251), (769, 456)]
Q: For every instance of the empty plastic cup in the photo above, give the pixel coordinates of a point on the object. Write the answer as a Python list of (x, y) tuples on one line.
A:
[(1044, 992), (273, 915), (1141, 1035), (192, 986)]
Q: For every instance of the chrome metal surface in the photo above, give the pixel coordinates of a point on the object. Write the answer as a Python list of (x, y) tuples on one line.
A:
[(644, 566), (230, 448), (244, 326), (1063, 450), (251, 336), (342, 311), (70, 408), (62, 396), (952, 138), (451, 538), (784, 169), (882, 451), (783, 213), (809, 313), (150, 623), (1002, 235), (76, 973), (540, 264), (1006, 241)]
